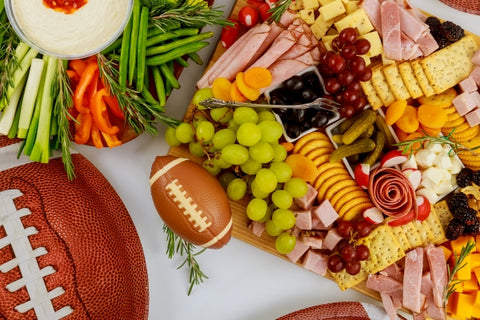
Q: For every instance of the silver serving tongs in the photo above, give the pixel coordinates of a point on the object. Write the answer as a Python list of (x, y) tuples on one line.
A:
[(318, 104)]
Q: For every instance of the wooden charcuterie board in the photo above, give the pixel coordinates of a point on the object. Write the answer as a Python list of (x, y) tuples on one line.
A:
[(240, 220)]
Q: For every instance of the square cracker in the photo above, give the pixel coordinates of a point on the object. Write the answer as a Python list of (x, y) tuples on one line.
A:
[(401, 238), (438, 222), (422, 78), (371, 94), (412, 234), (395, 82), (381, 86), (406, 71), (443, 213), (450, 65)]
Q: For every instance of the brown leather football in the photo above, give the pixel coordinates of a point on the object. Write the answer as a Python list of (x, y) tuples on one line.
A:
[(68, 249), (469, 6), (191, 201)]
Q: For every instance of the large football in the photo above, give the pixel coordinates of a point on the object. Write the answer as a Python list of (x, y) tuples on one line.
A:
[(190, 201), (68, 248)]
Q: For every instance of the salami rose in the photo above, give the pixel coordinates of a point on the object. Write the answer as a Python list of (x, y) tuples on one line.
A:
[(392, 192)]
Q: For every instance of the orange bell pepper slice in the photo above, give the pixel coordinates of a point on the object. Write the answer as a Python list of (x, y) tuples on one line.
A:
[(114, 107), (100, 113), (83, 127), (96, 136), (111, 139), (86, 78)]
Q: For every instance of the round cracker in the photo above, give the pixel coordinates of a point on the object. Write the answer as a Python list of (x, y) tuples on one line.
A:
[(327, 165), (352, 195), (319, 152), (321, 160), (327, 174), (323, 187), (357, 210), (313, 145), (339, 195), (339, 186), (315, 135), (348, 205)]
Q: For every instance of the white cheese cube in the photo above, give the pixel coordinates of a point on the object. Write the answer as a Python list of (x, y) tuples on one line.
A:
[(411, 163), (307, 15), (310, 4), (428, 193), (332, 10), (456, 166), (362, 22), (435, 147), (425, 158), (376, 47), (443, 187), (443, 161)]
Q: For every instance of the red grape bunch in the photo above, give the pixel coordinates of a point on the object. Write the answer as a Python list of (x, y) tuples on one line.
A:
[(343, 68), (348, 253)]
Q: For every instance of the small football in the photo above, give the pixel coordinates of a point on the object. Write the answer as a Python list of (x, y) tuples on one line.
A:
[(68, 248), (190, 201)]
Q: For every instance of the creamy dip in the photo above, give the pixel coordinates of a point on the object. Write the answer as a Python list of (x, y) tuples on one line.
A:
[(75, 34)]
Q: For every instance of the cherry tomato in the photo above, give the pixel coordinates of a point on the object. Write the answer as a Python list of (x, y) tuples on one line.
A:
[(229, 34), (248, 16), (263, 9)]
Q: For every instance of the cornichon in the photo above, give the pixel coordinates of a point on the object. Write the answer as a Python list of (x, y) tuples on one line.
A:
[(382, 126), (366, 119), (379, 144), (346, 150), (368, 133)]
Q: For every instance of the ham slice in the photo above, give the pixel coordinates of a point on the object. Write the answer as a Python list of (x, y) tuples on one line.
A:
[(433, 310), (384, 284), (389, 306), (231, 53), (412, 280), (298, 251), (412, 27), (283, 69), (285, 40), (438, 272), (391, 33), (427, 43), (316, 262)]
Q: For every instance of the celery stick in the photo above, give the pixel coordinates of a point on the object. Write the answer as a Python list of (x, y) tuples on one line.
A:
[(41, 148), (21, 50), (11, 108), (29, 97), (32, 129), (18, 75), (12, 134)]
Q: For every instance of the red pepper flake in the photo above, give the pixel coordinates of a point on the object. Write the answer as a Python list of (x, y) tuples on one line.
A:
[(65, 6)]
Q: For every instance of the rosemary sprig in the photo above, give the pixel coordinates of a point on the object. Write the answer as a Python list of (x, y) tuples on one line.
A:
[(139, 115), (176, 245), (63, 91), (279, 9), (8, 59), (413, 145), (191, 13), (457, 266)]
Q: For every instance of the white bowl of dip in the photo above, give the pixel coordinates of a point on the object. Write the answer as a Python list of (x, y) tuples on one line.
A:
[(83, 32)]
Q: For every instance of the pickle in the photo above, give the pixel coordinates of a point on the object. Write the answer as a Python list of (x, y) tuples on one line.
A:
[(368, 133), (373, 156), (366, 119), (382, 126), (337, 138), (347, 123), (346, 150)]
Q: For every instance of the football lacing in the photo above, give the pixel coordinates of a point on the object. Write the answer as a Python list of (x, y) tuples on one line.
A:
[(184, 203), (26, 259)]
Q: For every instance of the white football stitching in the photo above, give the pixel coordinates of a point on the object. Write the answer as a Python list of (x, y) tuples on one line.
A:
[(25, 259), (184, 203)]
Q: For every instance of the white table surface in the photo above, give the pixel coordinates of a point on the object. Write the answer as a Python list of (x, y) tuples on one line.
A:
[(244, 282)]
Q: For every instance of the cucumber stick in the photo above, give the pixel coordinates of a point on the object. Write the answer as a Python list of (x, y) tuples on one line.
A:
[(29, 97)]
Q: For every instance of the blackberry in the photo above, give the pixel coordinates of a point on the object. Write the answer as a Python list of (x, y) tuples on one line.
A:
[(457, 201), (455, 229), (441, 41), (451, 31), (433, 22), (467, 215), (472, 229), (476, 177), (464, 177)]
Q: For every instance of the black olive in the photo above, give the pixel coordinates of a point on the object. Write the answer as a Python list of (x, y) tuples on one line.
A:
[(299, 115), (277, 99), (308, 95), (306, 125), (320, 119), (294, 83), (293, 130), (311, 79), (282, 112)]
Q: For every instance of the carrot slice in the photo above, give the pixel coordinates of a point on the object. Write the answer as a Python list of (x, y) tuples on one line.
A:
[(258, 77)]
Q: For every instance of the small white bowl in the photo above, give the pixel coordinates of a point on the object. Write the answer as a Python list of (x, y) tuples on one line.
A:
[(83, 33)]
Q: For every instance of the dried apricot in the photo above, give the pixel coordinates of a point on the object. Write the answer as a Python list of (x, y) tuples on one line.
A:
[(302, 167), (432, 116), (250, 93), (408, 122), (258, 77), (394, 111), (221, 88), (441, 100), (236, 94)]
